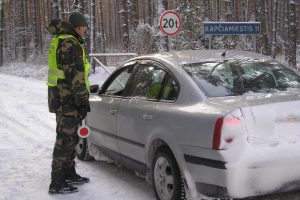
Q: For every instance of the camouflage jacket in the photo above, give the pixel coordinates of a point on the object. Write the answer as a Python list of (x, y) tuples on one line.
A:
[(70, 93)]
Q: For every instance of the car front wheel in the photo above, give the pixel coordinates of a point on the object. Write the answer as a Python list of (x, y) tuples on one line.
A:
[(82, 150), (167, 180)]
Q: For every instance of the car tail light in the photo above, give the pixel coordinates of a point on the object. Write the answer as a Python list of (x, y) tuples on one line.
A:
[(224, 132), (217, 134)]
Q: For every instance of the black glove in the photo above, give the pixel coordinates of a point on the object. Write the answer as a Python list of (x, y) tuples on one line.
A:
[(82, 111)]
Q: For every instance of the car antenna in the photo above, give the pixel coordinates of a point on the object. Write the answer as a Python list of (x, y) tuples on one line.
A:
[(224, 54)]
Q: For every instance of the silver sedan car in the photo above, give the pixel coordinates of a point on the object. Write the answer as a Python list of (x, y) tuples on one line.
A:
[(222, 124)]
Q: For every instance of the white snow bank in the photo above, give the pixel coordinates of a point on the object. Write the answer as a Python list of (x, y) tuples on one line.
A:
[(38, 72)]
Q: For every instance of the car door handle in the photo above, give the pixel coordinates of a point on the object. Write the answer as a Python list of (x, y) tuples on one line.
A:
[(147, 117), (113, 112)]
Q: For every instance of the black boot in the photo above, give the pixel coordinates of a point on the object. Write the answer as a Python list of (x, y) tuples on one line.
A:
[(64, 188), (58, 185), (73, 177)]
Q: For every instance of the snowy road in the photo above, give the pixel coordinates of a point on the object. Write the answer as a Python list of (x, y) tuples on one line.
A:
[(27, 136)]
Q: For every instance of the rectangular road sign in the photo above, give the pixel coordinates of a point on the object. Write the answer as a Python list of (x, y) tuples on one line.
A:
[(231, 28)]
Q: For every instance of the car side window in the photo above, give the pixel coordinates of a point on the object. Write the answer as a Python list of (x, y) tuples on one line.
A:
[(147, 81), (170, 90), (117, 85)]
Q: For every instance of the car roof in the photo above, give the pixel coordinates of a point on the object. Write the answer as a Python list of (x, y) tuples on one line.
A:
[(194, 56)]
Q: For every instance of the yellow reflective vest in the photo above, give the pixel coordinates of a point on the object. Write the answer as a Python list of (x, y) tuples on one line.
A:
[(54, 73)]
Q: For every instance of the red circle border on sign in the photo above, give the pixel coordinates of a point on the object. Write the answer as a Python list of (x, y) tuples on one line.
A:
[(160, 22)]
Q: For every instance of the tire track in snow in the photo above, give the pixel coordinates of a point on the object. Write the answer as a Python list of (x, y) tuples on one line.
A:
[(25, 169), (23, 104), (17, 130), (40, 120)]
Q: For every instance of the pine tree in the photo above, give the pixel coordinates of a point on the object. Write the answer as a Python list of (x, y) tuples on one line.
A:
[(261, 40), (133, 25), (24, 23), (55, 14), (102, 37), (91, 25), (161, 41), (133, 15), (274, 29), (286, 30), (293, 34), (124, 25), (1, 33)]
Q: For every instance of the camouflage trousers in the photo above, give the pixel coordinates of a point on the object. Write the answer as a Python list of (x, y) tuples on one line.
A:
[(64, 148)]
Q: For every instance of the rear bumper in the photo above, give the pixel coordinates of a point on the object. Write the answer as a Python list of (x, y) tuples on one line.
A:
[(214, 177), (212, 190), (217, 191)]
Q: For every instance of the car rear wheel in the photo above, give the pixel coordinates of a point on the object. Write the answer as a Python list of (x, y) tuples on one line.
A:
[(82, 150), (167, 180)]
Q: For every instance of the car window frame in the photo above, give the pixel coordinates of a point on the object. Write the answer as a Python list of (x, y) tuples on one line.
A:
[(170, 75), (113, 76), (164, 82)]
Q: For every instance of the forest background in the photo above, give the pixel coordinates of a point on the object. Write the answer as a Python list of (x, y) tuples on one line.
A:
[(133, 26)]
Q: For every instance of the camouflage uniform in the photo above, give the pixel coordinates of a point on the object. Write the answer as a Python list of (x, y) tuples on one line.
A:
[(67, 99)]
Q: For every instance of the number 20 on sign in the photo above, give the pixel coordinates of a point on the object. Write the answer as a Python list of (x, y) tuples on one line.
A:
[(170, 23)]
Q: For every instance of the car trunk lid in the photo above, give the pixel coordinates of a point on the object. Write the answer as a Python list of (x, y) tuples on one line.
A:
[(264, 119), (270, 124)]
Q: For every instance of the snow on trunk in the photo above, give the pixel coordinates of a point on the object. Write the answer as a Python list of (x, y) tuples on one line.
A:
[(273, 124)]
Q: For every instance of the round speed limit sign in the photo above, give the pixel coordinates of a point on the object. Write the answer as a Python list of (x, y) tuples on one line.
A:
[(170, 23)]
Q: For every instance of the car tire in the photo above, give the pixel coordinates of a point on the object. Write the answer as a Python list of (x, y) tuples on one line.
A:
[(166, 176), (82, 150)]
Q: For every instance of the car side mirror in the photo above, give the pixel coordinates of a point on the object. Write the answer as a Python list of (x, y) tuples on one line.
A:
[(94, 88)]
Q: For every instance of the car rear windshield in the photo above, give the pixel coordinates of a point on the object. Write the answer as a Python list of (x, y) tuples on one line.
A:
[(227, 78)]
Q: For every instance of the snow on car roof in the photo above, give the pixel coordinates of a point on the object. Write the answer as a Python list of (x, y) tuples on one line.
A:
[(193, 56)]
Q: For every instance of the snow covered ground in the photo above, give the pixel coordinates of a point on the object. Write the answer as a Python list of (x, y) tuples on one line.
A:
[(27, 132)]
